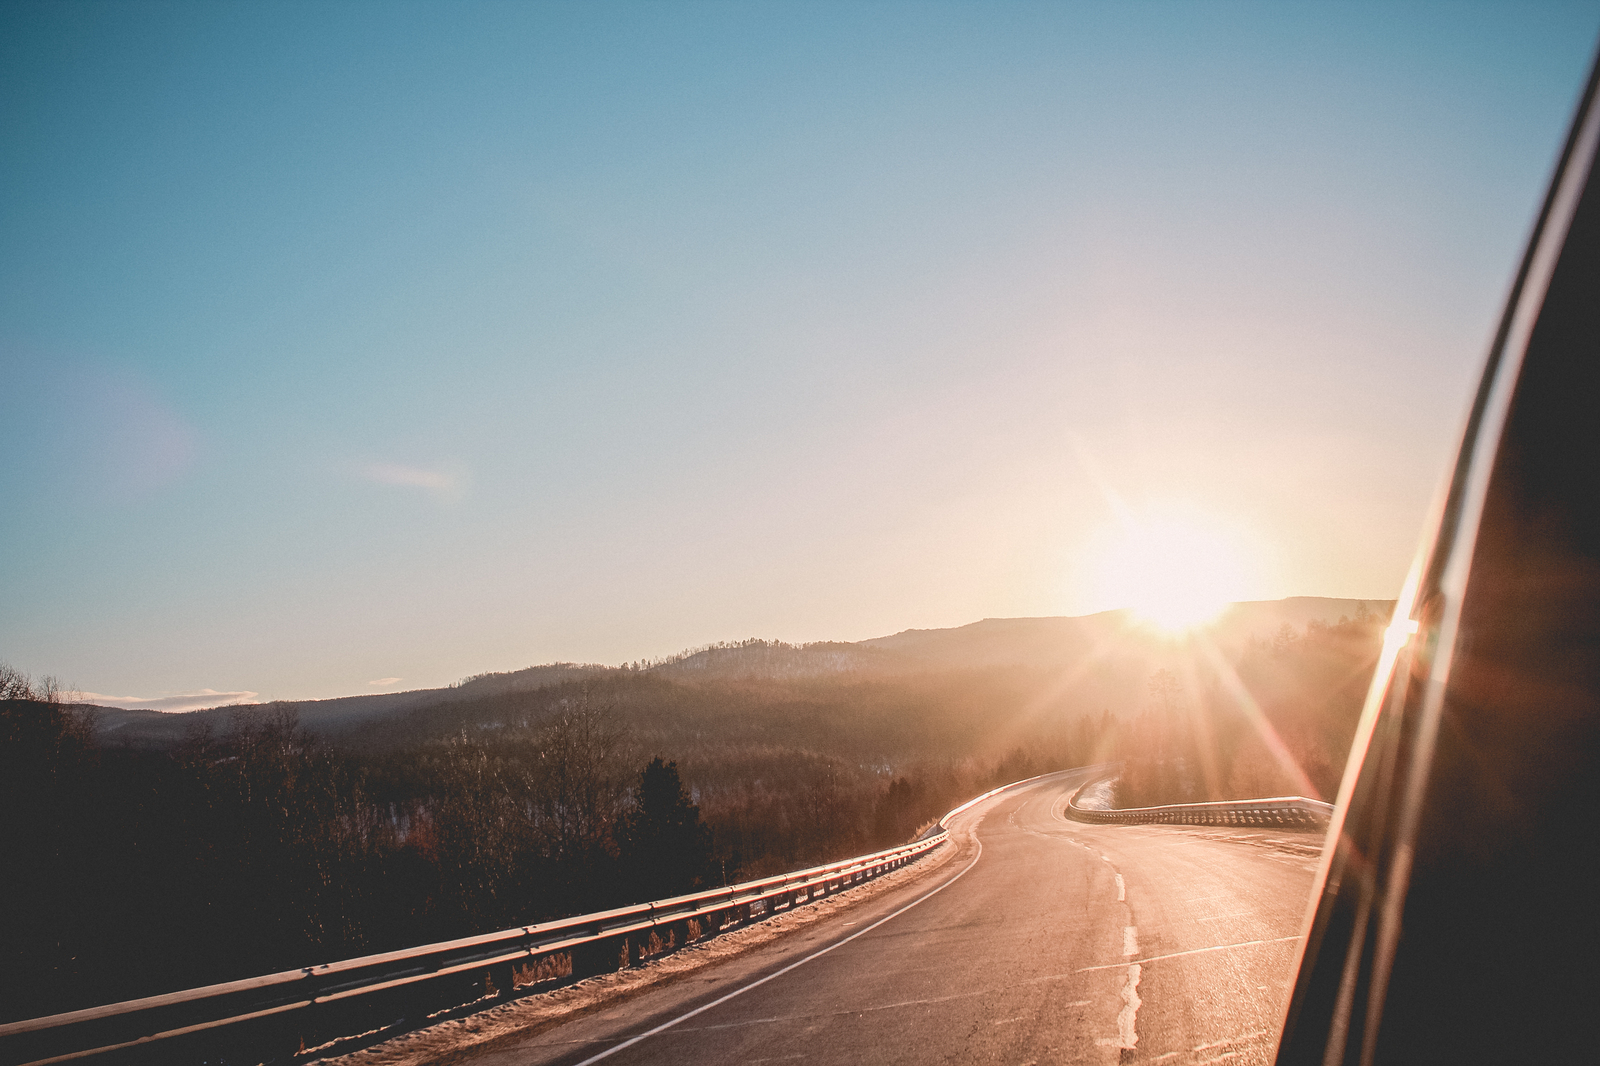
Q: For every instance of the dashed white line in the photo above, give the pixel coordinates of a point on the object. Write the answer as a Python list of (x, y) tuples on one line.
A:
[(1128, 1017)]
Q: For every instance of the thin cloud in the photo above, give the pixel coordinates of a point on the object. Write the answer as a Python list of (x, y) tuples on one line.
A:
[(384, 682), (433, 479), (184, 701)]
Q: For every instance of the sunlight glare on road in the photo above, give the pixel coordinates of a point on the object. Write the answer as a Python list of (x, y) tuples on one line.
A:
[(1175, 568)]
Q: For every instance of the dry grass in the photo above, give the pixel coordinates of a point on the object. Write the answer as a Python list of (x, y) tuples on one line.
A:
[(556, 967)]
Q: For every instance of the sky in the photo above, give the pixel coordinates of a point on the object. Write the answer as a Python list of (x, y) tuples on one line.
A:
[(363, 347)]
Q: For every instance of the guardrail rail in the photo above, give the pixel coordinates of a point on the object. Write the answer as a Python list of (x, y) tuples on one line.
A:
[(1280, 810)]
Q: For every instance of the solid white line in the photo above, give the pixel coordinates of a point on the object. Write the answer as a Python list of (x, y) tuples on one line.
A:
[(853, 1011), (664, 1026)]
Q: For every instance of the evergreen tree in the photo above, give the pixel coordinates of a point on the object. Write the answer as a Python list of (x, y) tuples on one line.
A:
[(665, 850)]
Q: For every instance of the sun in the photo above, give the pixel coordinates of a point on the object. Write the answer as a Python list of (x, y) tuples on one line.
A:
[(1176, 569)]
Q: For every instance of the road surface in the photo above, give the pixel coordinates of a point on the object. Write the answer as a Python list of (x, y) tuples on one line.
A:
[(1042, 941)]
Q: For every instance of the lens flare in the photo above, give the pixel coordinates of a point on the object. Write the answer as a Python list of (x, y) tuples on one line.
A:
[(1175, 569)]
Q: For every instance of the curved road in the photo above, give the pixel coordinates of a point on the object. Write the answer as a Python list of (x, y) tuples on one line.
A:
[(1042, 941)]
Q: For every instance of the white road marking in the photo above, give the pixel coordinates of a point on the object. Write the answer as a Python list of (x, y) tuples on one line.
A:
[(855, 1011), (1128, 1017), (1122, 889), (664, 1026), (897, 1005), (1231, 1040), (974, 993), (1194, 951)]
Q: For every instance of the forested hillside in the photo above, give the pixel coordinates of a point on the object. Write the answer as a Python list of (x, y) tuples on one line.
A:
[(252, 843), (260, 846), (1275, 720)]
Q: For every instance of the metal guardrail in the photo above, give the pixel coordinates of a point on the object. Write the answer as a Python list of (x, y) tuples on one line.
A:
[(1280, 810), (281, 1011)]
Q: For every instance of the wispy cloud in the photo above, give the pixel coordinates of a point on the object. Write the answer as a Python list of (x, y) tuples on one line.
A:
[(183, 701), (434, 479), (384, 682)]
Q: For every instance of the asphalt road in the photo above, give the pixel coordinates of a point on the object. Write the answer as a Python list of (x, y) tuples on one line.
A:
[(1042, 941)]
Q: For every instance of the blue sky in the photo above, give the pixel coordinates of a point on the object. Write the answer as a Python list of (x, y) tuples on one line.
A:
[(367, 346)]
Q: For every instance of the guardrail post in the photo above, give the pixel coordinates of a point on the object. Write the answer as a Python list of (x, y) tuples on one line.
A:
[(413, 1001), (597, 957)]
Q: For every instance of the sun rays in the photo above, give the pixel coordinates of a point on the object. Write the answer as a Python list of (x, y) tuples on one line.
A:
[(1175, 567)]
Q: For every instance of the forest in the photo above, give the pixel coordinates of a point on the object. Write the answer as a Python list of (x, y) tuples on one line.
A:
[(254, 844), (1278, 722)]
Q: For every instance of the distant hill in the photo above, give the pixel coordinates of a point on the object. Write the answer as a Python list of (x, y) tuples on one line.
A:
[(142, 728), (775, 660), (1049, 642), (1036, 643), (162, 729), (1104, 659)]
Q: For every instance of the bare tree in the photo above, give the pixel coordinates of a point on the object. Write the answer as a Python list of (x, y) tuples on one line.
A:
[(578, 792), (14, 684)]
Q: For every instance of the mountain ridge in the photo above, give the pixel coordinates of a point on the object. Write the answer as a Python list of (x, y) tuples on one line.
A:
[(1108, 650)]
